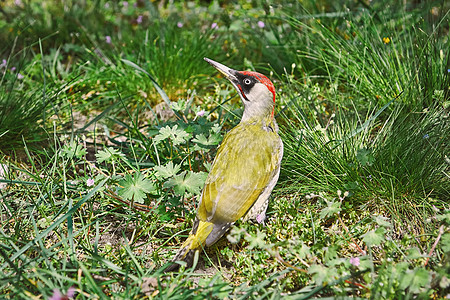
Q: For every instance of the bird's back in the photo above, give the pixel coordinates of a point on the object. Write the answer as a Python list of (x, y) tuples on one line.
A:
[(246, 162)]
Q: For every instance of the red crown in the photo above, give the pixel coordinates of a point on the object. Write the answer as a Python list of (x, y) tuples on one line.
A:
[(263, 79)]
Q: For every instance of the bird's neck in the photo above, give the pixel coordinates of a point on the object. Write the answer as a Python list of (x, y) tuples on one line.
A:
[(266, 122), (259, 110)]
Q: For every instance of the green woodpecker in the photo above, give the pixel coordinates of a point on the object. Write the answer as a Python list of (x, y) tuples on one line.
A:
[(245, 169)]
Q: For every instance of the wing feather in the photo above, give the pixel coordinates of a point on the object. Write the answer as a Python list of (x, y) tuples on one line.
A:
[(243, 167)]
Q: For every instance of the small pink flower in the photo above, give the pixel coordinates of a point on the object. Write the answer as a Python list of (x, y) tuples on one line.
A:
[(71, 292), (354, 261), (13, 69), (214, 26), (58, 296), (90, 182), (179, 24), (107, 5), (260, 218), (200, 113), (139, 19), (261, 24), (18, 2), (3, 64), (125, 4), (108, 39), (19, 76)]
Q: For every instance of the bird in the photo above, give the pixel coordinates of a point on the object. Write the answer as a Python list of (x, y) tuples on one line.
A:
[(245, 169)]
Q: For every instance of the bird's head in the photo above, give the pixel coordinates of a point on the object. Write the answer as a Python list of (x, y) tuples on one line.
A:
[(256, 91)]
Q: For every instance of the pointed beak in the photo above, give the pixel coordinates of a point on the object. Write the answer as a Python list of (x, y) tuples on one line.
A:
[(227, 72)]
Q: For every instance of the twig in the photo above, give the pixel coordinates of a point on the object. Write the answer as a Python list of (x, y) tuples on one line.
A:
[(441, 231), (281, 260), (137, 206), (353, 240), (356, 284), (141, 207)]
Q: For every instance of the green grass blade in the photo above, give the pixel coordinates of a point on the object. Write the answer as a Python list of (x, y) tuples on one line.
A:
[(99, 116), (155, 84), (92, 284), (369, 120), (56, 223)]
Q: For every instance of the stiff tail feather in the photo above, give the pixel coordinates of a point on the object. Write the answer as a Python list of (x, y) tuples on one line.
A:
[(194, 242)]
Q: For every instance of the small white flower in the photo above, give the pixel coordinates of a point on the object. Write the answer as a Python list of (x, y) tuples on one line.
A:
[(3, 171)]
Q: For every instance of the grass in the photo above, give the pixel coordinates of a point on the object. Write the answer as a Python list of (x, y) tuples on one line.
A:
[(365, 146), (98, 186)]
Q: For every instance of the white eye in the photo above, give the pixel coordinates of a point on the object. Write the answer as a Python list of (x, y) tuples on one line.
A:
[(247, 81)]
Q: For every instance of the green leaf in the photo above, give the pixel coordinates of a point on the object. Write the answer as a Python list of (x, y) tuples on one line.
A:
[(207, 166), (177, 136), (365, 263), (413, 253), (168, 170), (187, 181), (304, 251), (415, 280), (109, 154), (331, 209), (73, 149), (445, 217), (445, 241), (374, 237), (136, 187), (179, 105), (331, 252), (204, 143), (257, 241), (235, 234), (237, 25), (352, 186), (321, 274), (216, 128), (201, 139), (382, 221), (365, 157)]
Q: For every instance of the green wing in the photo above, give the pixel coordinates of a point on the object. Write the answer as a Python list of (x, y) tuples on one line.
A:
[(245, 163)]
